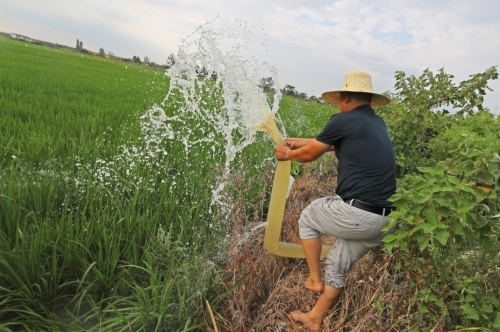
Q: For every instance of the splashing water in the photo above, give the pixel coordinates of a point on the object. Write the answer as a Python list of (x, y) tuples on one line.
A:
[(212, 110), (242, 106), (215, 101)]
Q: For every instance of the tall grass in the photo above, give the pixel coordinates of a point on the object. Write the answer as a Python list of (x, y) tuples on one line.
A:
[(56, 104), (102, 228)]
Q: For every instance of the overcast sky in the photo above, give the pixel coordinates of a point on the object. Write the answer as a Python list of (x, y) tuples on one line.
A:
[(311, 43)]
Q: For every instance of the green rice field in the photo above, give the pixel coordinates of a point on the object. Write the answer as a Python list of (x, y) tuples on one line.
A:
[(104, 224)]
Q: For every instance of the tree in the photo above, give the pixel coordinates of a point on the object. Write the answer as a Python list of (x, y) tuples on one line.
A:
[(289, 90), (81, 46), (201, 71), (101, 51), (316, 99), (171, 61), (146, 60), (267, 84), (136, 59), (77, 44)]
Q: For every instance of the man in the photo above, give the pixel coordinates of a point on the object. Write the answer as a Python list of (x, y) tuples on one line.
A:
[(358, 211)]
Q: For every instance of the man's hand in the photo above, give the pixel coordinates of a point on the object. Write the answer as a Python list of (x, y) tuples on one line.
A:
[(296, 143), (290, 143), (302, 150), (281, 152)]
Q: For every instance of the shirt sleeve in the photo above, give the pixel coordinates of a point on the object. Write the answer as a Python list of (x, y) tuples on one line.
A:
[(334, 130)]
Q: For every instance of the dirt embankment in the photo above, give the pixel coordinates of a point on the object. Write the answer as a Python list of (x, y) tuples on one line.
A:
[(272, 286)]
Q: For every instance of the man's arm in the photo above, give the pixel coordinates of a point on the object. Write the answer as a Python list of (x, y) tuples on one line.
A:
[(297, 143), (309, 152)]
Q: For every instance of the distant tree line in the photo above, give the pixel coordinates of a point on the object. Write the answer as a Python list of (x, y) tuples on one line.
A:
[(267, 85), (145, 61), (203, 72), (137, 60), (79, 47)]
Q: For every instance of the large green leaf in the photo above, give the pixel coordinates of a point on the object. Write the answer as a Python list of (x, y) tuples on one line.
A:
[(442, 211), (423, 197), (439, 169), (428, 227), (466, 188), (469, 298), (469, 311), (425, 169), (445, 201), (422, 309), (389, 238), (390, 223), (493, 167), (441, 236), (420, 185), (484, 177), (468, 168), (496, 323), (431, 218), (474, 153), (466, 206), (457, 227), (423, 242), (454, 180)]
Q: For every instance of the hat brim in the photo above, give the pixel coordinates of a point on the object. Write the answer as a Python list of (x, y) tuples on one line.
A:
[(333, 97)]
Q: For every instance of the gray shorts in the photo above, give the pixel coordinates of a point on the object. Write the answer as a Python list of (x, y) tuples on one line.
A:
[(357, 232)]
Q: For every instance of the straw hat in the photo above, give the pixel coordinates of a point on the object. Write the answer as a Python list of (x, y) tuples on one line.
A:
[(356, 81)]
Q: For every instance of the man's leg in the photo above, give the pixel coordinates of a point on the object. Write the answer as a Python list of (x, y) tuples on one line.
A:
[(313, 318), (338, 263), (334, 217), (312, 249)]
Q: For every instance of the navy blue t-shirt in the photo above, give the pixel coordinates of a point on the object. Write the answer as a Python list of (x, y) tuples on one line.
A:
[(366, 158)]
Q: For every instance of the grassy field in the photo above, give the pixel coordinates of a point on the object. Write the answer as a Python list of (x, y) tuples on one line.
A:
[(103, 226), (58, 102)]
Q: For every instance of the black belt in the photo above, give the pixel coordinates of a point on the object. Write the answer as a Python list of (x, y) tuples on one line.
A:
[(383, 211)]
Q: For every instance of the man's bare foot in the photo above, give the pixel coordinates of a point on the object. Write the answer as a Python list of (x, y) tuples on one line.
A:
[(303, 318), (315, 285)]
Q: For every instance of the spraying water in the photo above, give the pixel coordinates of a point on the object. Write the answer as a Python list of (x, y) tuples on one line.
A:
[(245, 108), (214, 104), (218, 81), (214, 101)]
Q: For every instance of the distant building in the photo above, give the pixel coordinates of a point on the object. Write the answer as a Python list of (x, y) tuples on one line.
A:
[(20, 37)]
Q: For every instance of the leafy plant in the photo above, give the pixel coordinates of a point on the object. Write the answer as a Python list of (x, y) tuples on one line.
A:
[(448, 208), (426, 106)]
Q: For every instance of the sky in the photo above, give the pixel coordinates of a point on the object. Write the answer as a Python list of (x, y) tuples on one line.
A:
[(312, 44)]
